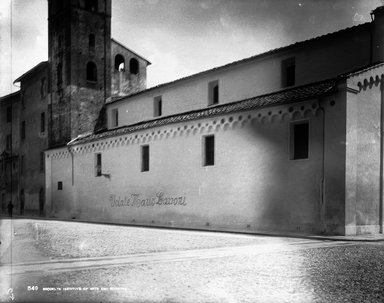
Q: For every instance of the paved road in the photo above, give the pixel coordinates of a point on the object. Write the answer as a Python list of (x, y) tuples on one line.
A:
[(192, 267)]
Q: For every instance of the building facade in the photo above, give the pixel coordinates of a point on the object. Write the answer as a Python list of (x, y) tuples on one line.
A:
[(289, 140), (62, 97)]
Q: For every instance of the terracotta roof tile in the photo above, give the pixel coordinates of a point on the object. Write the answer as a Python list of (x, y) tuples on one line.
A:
[(295, 94)]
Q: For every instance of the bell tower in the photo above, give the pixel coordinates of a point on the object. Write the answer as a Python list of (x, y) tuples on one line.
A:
[(79, 34)]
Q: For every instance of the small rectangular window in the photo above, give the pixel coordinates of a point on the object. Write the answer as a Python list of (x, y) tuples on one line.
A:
[(157, 106), (42, 122), (22, 135), (145, 158), (42, 160), (213, 92), (60, 185), (9, 142), (209, 150), (98, 165), (115, 117), (299, 140), (9, 114), (288, 71)]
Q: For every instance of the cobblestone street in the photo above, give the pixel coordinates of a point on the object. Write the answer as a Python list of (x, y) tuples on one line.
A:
[(56, 261)]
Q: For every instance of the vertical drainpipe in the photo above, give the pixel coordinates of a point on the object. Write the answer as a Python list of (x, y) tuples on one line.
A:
[(381, 155), (322, 181)]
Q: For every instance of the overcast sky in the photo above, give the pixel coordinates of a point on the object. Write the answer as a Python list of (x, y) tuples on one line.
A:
[(181, 37)]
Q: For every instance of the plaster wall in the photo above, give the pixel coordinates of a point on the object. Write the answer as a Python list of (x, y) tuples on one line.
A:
[(253, 186), (322, 59), (31, 148), (363, 148), (9, 176), (124, 82)]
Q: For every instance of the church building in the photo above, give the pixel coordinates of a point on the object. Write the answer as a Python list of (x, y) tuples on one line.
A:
[(289, 140)]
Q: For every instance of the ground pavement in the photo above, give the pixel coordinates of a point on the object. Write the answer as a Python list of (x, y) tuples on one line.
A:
[(57, 261)]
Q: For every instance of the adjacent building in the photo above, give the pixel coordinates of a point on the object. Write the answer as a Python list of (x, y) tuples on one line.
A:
[(62, 97)]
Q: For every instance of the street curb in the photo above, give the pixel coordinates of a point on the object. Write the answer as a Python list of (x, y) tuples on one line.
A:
[(358, 238)]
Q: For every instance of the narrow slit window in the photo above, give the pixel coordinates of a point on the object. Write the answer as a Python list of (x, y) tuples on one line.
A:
[(42, 122), (115, 117), (299, 140), (60, 185), (22, 164), (98, 165), (9, 114), (209, 151), (157, 106), (91, 72), (213, 93), (9, 142), (91, 40), (22, 130), (145, 158), (43, 88)]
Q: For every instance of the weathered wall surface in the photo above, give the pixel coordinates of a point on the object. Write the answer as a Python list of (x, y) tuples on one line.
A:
[(323, 59), (124, 82), (253, 186), (76, 100), (9, 159), (364, 102), (32, 177)]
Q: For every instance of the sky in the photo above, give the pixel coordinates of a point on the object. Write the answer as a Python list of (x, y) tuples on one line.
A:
[(181, 37)]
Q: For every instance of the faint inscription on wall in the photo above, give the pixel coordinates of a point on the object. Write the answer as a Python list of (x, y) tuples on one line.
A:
[(137, 200)]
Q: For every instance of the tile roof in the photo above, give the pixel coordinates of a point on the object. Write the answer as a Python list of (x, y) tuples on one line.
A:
[(286, 96), (33, 70), (249, 59)]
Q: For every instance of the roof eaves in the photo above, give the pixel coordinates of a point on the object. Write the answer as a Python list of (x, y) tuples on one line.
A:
[(30, 72), (286, 96)]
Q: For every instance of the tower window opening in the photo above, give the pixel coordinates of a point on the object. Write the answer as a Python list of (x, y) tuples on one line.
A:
[(119, 63), (91, 40), (91, 72), (134, 66)]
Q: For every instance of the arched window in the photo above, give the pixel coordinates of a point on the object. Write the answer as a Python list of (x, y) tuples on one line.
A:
[(119, 63), (91, 72), (134, 66), (91, 5), (91, 40)]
